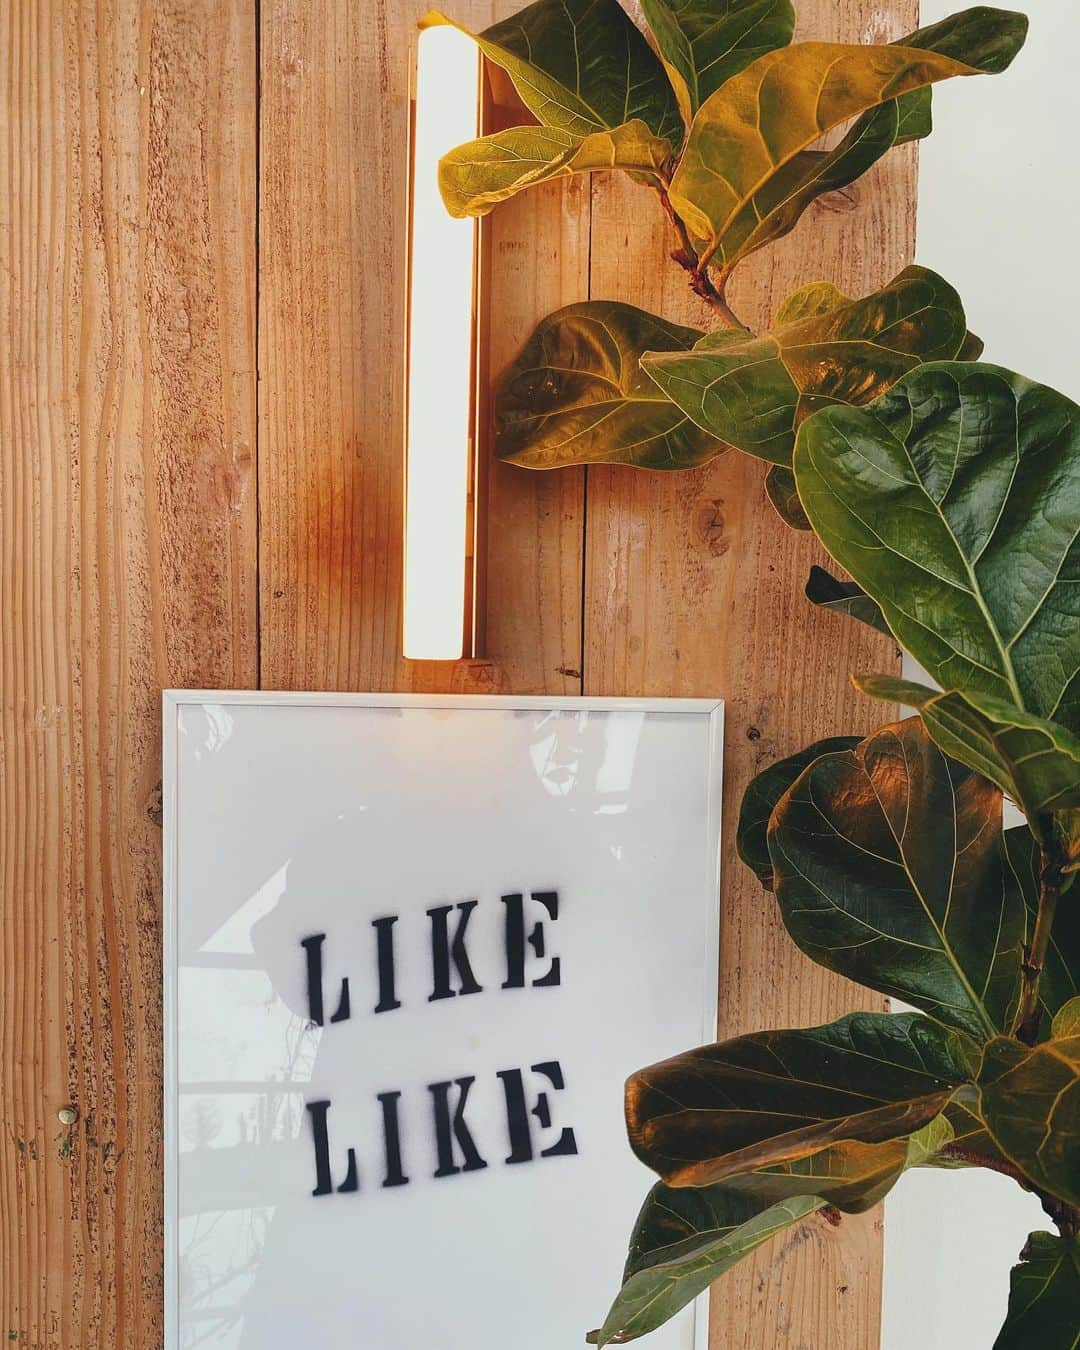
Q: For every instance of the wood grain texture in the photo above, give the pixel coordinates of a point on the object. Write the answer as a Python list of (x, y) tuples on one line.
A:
[(694, 587), (127, 562), (138, 179), (333, 185)]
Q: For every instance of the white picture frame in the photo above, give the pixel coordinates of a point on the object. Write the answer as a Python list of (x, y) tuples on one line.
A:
[(215, 715)]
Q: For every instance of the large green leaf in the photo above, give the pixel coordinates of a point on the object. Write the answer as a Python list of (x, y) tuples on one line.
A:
[(685, 1237), (580, 65), (764, 791), (775, 1096), (475, 177), (1029, 1097), (888, 868), (754, 392), (704, 42), (577, 394), (744, 165), (972, 348), (1037, 763), (844, 597), (1044, 1296), (954, 501), (851, 1176), (779, 204), (814, 172), (682, 1241)]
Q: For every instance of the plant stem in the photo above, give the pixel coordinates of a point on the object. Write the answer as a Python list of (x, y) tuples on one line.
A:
[(700, 281), (701, 284), (1026, 1023), (1064, 1216), (975, 1159)]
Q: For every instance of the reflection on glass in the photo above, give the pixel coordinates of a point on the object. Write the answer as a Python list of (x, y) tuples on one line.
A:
[(302, 822)]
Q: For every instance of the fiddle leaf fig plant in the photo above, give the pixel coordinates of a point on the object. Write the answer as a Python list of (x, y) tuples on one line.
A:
[(720, 114), (754, 393), (951, 500), (947, 491), (579, 391)]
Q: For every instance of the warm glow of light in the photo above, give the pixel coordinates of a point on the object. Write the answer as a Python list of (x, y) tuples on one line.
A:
[(440, 395)]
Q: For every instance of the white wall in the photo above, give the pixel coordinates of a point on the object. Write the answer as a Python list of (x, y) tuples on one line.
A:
[(999, 217), (999, 197)]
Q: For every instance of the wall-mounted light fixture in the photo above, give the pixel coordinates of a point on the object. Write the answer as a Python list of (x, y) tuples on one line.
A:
[(441, 388)]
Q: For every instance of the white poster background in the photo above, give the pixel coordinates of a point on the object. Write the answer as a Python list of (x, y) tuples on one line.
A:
[(293, 815)]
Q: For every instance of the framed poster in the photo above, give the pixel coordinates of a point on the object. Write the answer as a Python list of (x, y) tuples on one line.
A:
[(413, 947)]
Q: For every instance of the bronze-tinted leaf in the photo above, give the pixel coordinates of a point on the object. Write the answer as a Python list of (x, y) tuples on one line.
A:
[(954, 501), (812, 173), (985, 38), (704, 42), (1035, 762), (742, 168), (1044, 1296), (685, 1237), (852, 1177), (783, 496), (1029, 1097), (475, 177), (972, 348), (682, 1241), (775, 1096), (764, 791), (970, 1144), (577, 394), (888, 868), (844, 597), (580, 65), (958, 1138), (754, 392)]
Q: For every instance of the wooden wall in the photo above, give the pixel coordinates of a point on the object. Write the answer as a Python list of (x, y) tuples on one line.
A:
[(201, 302)]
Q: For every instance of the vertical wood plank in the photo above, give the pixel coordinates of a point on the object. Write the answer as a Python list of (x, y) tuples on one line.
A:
[(127, 562), (535, 522), (332, 319), (694, 587)]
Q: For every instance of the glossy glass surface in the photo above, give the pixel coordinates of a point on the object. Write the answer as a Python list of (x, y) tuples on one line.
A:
[(292, 818)]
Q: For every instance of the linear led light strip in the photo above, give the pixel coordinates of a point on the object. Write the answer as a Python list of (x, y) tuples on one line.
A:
[(441, 395)]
